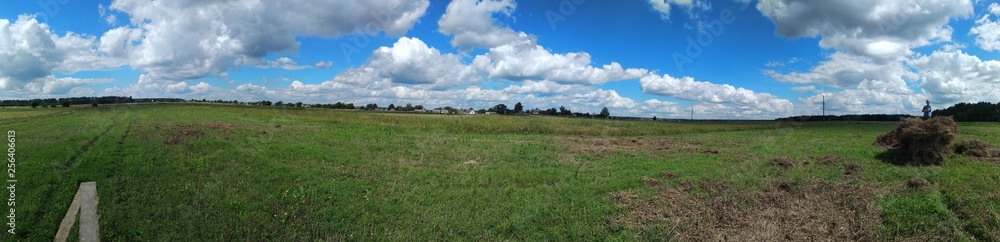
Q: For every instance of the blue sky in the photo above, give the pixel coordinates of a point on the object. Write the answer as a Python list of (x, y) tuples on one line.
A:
[(742, 59)]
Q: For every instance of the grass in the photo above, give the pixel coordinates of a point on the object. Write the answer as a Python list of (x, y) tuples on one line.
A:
[(16, 113), (213, 172)]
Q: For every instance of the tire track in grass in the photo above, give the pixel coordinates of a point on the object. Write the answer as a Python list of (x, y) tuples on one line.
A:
[(60, 179)]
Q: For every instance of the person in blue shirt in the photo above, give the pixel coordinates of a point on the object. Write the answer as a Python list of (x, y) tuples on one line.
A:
[(927, 110)]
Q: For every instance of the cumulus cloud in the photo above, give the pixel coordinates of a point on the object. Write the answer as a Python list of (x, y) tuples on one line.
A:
[(846, 70), (65, 85), (516, 56), (661, 107), (869, 97), (525, 60), (954, 76), (201, 87), (606, 98), (688, 89), (885, 30), (28, 50), (472, 25), (189, 39), (32, 54), (987, 30), (411, 61), (543, 88)]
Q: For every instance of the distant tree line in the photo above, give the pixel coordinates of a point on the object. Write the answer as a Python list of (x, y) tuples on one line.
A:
[(971, 112), (852, 117), (338, 105), (213, 101), (502, 109), (159, 100), (66, 102)]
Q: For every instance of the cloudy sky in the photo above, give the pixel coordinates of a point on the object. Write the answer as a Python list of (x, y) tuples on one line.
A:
[(746, 59)]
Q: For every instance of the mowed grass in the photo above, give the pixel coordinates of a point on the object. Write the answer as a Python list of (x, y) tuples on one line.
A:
[(213, 172)]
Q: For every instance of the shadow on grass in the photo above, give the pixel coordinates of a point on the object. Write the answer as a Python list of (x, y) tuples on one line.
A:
[(893, 156), (900, 158)]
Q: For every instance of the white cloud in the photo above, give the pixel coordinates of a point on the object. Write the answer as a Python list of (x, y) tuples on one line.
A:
[(146, 87), (688, 89), (663, 7), (106, 14), (885, 30), (603, 98), (471, 23), (28, 51), (323, 64), (250, 88), (869, 97), (31, 54), (661, 107), (987, 31), (954, 76), (81, 92), (67, 84), (804, 89), (286, 64), (411, 61), (524, 60), (846, 70), (189, 39), (202, 87), (543, 88), (516, 56), (117, 42)]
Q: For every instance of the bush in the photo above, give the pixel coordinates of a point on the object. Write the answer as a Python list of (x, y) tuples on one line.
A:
[(921, 142)]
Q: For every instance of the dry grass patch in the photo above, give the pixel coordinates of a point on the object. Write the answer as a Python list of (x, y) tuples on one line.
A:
[(179, 133), (812, 211), (917, 184), (601, 147), (741, 158), (783, 162), (827, 160), (977, 149)]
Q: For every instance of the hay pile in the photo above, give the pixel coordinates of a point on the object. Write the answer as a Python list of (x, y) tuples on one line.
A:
[(920, 141), (976, 148)]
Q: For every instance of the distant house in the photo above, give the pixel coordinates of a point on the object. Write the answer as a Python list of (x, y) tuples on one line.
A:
[(536, 111), (468, 111)]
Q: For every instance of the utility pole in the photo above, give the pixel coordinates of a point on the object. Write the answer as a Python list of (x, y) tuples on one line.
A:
[(692, 113), (824, 105)]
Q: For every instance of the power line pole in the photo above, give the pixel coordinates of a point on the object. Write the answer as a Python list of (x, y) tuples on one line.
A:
[(824, 105)]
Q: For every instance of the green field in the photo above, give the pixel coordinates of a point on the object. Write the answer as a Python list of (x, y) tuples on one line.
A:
[(219, 173)]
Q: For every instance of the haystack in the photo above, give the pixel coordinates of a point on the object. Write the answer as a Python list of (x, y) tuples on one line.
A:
[(920, 141)]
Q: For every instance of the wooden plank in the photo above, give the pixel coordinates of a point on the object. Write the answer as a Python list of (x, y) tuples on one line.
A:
[(67, 222), (88, 212)]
